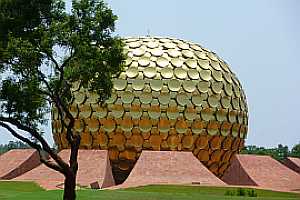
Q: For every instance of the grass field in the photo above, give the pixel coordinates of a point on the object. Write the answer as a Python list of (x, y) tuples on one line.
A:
[(30, 191)]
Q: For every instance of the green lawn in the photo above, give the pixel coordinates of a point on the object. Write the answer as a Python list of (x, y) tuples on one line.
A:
[(30, 191)]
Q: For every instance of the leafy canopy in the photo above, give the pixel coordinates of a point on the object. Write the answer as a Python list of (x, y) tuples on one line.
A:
[(43, 49)]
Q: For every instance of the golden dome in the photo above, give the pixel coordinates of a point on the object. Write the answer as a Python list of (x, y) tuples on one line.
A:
[(173, 95)]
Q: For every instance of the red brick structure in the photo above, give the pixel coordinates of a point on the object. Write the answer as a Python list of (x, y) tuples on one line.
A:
[(16, 162), (293, 163), (170, 167), (94, 166), (261, 171)]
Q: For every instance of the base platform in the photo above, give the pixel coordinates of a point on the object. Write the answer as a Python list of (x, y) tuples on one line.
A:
[(17, 162), (94, 166), (261, 171), (169, 167)]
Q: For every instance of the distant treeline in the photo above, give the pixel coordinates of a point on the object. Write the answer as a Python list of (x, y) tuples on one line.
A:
[(13, 145), (279, 153)]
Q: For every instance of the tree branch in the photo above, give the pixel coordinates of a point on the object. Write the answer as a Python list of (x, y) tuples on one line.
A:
[(36, 135)]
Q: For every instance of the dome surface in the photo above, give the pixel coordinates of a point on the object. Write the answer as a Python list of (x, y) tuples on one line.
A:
[(173, 95)]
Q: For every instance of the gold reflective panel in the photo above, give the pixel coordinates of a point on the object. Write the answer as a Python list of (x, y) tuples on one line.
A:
[(197, 99), (189, 86), (132, 72), (164, 98), (198, 126), (156, 52), (225, 101), (204, 64), (135, 111), (152, 44), (177, 62), (134, 44), (73, 110), (164, 125), (236, 90), (149, 72), (190, 113), (221, 115), (224, 66), (144, 61), (117, 111), (128, 61), (112, 98), (235, 103), (99, 112), (174, 53), (172, 112), (182, 99), (213, 127), (120, 84), (213, 100), (85, 111), (183, 46), (228, 89), (92, 124), (78, 125), (207, 114), (162, 62), (174, 85), (203, 86), (169, 45), (192, 63), (92, 97), (138, 52), (187, 53), (156, 85), (180, 73), (109, 125), (146, 97), (154, 112), (166, 72), (181, 126), (227, 77), (235, 130), (127, 97), (215, 65), (138, 84), (193, 74), (196, 47), (232, 115), (205, 75), (212, 56), (201, 55), (217, 75), (217, 87), (126, 124), (145, 125)]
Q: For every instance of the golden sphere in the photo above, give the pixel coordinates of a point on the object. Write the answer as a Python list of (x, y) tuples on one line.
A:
[(173, 95)]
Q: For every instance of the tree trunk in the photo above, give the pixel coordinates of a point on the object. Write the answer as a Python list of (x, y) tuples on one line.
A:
[(70, 186)]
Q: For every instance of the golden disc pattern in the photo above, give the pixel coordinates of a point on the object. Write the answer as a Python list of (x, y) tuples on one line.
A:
[(172, 95)]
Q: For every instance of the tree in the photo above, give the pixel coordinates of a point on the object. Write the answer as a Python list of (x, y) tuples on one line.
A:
[(36, 75), (13, 145), (295, 152)]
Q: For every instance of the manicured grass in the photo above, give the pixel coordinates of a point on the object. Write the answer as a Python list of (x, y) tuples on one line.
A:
[(30, 191)]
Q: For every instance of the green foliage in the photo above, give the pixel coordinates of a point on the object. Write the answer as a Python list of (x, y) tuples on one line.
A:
[(241, 192), (13, 145), (279, 153), (43, 50)]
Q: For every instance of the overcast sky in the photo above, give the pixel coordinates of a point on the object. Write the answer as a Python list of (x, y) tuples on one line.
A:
[(260, 39)]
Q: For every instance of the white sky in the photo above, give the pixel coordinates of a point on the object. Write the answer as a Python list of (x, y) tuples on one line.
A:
[(258, 38)]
